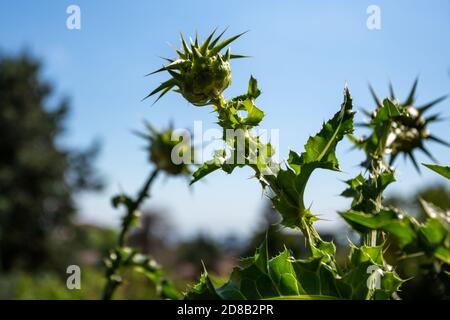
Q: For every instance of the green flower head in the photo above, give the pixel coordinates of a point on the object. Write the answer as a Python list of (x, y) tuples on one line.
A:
[(161, 149), (410, 130), (200, 73)]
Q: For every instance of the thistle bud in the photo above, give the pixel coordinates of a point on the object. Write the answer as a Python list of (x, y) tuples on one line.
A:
[(201, 73)]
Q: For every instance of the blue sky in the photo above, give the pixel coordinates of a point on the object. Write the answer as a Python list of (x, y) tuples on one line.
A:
[(303, 54)]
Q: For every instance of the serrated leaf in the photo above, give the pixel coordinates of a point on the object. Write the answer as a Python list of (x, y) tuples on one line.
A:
[(321, 147), (253, 91), (218, 162), (278, 278), (285, 278), (254, 115), (434, 232), (319, 153)]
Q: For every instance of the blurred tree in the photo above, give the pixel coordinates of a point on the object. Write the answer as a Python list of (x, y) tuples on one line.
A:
[(200, 249), (277, 238), (152, 235), (38, 177)]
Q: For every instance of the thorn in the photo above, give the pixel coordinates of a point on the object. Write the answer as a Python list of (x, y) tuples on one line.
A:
[(425, 150), (438, 140), (375, 97), (409, 101), (411, 156), (391, 91)]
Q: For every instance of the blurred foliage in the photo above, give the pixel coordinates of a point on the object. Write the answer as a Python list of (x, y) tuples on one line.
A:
[(38, 176), (49, 285), (279, 238), (425, 278), (439, 195)]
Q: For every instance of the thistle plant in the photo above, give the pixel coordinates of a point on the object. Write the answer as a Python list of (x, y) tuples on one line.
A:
[(283, 276), (123, 257)]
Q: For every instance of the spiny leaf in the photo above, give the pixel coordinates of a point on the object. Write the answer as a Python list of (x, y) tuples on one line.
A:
[(163, 87), (390, 221), (254, 115), (277, 278), (322, 146), (218, 162), (253, 91), (284, 278), (319, 153), (442, 170)]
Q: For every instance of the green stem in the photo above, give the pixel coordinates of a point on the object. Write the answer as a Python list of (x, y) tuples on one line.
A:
[(377, 166), (113, 281), (135, 206), (308, 231)]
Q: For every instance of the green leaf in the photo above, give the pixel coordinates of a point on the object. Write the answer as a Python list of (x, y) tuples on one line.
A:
[(402, 227), (204, 170), (254, 115), (319, 153), (367, 267), (443, 254), (285, 278), (321, 148), (253, 91), (278, 278), (148, 267), (434, 232), (203, 290), (224, 43), (442, 170), (124, 200), (387, 112), (218, 162)]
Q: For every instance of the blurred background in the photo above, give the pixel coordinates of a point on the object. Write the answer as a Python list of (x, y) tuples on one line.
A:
[(70, 99)]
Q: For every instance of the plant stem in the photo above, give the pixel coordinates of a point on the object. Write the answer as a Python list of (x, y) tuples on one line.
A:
[(308, 230), (113, 280), (143, 193)]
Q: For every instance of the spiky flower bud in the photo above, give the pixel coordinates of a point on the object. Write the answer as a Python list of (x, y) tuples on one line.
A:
[(201, 73), (164, 146), (410, 129)]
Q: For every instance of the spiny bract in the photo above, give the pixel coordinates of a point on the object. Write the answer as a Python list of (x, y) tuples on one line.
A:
[(200, 73)]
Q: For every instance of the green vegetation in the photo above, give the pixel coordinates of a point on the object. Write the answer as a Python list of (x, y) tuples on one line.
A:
[(395, 128)]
